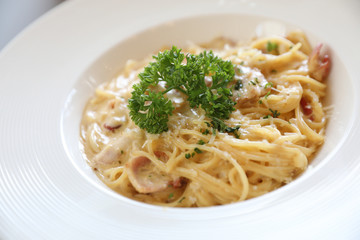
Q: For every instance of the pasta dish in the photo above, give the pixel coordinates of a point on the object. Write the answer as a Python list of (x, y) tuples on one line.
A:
[(211, 124)]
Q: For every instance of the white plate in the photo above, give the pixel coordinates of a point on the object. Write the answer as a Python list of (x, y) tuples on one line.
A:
[(48, 72)]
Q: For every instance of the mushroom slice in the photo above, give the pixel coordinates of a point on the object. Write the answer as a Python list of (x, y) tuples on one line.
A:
[(145, 176)]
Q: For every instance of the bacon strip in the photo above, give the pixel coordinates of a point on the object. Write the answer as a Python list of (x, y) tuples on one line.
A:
[(306, 107), (111, 128), (144, 176), (319, 65)]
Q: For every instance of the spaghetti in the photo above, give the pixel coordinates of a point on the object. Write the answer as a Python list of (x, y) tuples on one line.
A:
[(278, 94)]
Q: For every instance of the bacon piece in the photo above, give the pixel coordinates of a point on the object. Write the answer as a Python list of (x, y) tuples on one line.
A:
[(113, 152), (306, 107), (319, 65), (161, 155), (112, 104), (178, 182), (145, 177), (114, 122), (111, 128)]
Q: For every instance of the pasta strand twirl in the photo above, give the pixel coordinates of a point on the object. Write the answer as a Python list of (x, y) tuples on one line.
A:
[(279, 114)]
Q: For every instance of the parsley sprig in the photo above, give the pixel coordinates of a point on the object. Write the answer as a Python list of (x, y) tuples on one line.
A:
[(219, 125), (150, 108), (274, 114), (271, 46)]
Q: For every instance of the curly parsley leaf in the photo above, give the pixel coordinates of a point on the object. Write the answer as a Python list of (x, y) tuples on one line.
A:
[(271, 46), (219, 125), (150, 109), (274, 114)]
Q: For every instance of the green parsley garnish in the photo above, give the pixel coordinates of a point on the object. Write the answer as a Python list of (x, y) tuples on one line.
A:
[(150, 109), (270, 46), (220, 126), (239, 70), (197, 150), (267, 94), (269, 85), (181, 199), (205, 132), (238, 85), (171, 195), (201, 142), (274, 114)]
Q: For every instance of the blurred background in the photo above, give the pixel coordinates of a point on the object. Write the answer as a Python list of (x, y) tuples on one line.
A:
[(15, 15)]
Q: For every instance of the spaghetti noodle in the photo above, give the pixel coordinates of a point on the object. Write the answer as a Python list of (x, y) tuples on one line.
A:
[(278, 93)]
